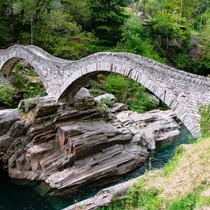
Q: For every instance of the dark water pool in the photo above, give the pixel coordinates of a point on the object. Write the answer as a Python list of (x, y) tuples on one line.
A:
[(23, 196)]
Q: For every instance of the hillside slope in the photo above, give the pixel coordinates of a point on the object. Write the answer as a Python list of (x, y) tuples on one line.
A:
[(184, 183)]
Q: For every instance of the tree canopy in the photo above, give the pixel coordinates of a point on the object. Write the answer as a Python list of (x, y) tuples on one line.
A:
[(107, 18), (175, 32)]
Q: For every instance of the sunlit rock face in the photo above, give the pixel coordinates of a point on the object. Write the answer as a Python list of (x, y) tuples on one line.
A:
[(68, 145)]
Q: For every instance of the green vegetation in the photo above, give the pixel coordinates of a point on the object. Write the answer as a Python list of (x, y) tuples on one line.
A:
[(136, 39), (109, 102), (169, 31), (27, 82), (107, 17), (7, 94), (126, 90), (205, 120), (145, 198), (172, 163)]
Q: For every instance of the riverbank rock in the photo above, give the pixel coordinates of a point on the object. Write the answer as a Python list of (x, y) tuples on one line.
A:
[(152, 127), (69, 147), (105, 197)]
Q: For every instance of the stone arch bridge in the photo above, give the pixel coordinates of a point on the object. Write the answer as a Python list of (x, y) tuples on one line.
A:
[(183, 92)]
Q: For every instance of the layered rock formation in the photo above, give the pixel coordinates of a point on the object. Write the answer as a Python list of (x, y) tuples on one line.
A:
[(68, 145)]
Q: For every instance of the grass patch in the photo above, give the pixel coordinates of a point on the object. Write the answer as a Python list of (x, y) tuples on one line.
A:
[(172, 163), (205, 120), (143, 198), (118, 205)]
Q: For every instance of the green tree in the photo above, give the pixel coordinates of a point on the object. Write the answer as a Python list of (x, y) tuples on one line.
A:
[(136, 39), (79, 11), (202, 65), (152, 7), (107, 18), (63, 37), (186, 8), (6, 22), (34, 10), (170, 39), (52, 27), (29, 16)]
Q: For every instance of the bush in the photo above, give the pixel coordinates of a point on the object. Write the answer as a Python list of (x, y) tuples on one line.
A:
[(117, 85), (138, 196), (205, 120), (7, 94), (109, 102), (141, 103), (129, 92), (187, 203), (24, 82)]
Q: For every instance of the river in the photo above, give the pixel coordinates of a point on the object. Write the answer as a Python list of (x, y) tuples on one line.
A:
[(16, 195)]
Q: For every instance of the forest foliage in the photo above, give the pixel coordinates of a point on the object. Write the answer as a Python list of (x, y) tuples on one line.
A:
[(175, 32), (135, 96)]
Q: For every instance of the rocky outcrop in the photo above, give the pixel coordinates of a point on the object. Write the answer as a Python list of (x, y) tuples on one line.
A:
[(152, 127), (71, 145)]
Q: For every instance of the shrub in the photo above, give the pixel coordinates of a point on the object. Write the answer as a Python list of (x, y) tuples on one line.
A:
[(205, 120), (7, 94), (109, 102), (141, 103), (117, 85), (139, 196), (24, 82), (129, 92), (187, 203)]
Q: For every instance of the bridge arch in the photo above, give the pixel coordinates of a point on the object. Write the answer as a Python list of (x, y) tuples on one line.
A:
[(79, 79), (166, 94), (9, 62), (45, 65)]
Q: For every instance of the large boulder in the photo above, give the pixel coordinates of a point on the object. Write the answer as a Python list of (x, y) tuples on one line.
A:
[(83, 93)]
